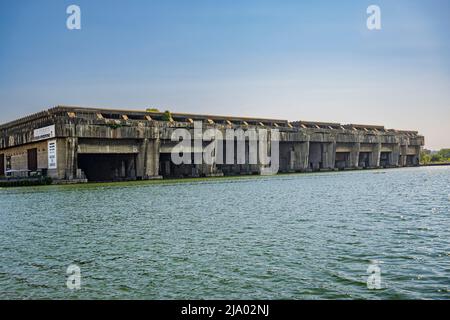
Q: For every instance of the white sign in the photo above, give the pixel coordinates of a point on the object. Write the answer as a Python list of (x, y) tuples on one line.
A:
[(52, 159), (44, 133)]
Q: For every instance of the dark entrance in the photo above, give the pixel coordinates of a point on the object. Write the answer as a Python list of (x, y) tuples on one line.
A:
[(32, 160), (2, 165), (167, 169), (108, 167), (8, 163), (385, 159), (411, 160), (165, 165), (364, 159), (315, 156), (342, 160)]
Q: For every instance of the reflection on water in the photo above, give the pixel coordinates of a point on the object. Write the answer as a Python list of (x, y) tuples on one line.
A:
[(283, 237)]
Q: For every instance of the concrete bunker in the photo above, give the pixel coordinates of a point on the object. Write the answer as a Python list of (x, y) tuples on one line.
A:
[(110, 145)]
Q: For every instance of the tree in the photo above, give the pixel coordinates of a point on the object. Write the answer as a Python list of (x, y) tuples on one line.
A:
[(425, 157), (167, 116), (436, 158), (444, 153)]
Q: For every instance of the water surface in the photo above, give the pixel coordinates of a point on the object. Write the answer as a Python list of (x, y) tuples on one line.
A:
[(306, 236)]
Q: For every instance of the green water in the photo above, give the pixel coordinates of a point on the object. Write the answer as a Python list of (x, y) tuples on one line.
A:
[(308, 236)]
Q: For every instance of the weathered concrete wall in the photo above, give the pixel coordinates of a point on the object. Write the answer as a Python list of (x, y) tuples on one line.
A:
[(19, 155), (314, 146), (108, 146)]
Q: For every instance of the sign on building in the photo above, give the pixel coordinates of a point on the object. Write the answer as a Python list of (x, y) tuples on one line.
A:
[(44, 133), (52, 158)]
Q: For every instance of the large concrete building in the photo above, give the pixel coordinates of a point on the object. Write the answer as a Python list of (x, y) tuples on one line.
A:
[(79, 144)]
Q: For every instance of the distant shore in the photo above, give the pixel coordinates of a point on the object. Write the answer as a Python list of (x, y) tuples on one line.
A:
[(436, 164)]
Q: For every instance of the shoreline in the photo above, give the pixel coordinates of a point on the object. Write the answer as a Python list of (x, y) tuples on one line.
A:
[(435, 164), (201, 179)]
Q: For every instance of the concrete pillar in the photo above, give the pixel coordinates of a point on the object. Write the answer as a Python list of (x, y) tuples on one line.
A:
[(141, 159), (315, 155), (329, 155), (245, 168), (376, 153), (252, 160), (301, 156), (286, 157), (354, 155), (130, 169), (71, 157), (403, 155), (260, 167), (395, 156), (152, 163), (416, 160), (147, 160), (417, 156), (269, 159), (291, 160)]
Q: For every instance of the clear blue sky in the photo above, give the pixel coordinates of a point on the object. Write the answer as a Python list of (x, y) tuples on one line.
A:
[(309, 60)]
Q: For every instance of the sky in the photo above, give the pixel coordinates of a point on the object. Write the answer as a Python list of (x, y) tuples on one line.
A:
[(295, 60)]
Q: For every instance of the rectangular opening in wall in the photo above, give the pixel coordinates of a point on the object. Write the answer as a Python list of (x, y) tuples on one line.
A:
[(2, 165), (364, 159), (8, 163), (342, 160), (168, 169), (108, 167), (315, 156), (411, 160), (385, 159), (32, 159)]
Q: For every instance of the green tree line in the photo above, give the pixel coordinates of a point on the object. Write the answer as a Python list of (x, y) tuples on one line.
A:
[(441, 156)]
